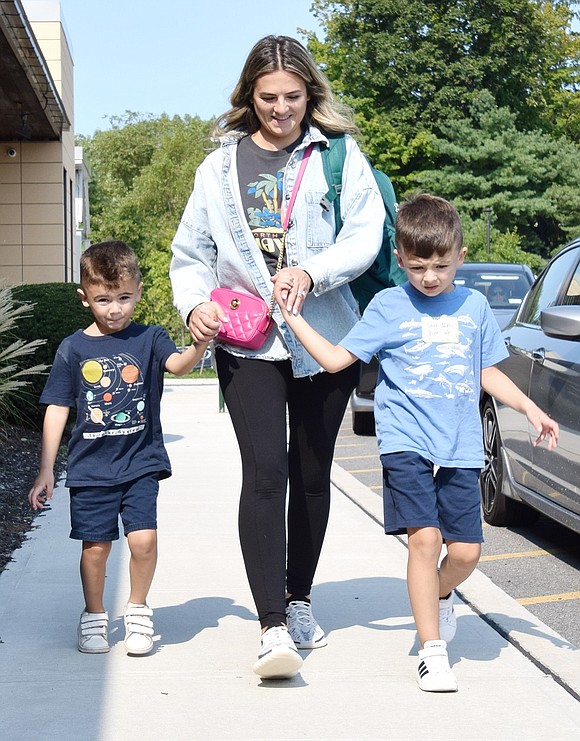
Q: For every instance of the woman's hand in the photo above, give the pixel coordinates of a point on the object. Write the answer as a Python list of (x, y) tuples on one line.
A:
[(205, 321), (291, 286)]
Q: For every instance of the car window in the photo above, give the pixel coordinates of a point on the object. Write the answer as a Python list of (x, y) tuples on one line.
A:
[(548, 289), (501, 288), (572, 295)]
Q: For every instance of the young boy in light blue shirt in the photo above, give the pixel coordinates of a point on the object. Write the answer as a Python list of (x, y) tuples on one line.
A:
[(438, 345)]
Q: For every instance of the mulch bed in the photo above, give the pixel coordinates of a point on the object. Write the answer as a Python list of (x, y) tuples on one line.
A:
[(19, 460)]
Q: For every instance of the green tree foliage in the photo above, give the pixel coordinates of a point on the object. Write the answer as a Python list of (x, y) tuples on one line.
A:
[(416, 61), (143, 170), (530, 180)]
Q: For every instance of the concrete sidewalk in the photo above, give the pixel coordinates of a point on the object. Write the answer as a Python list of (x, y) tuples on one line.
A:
[(199, 684)]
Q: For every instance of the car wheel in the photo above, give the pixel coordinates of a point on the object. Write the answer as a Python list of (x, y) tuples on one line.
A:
[(498, 509), (363, 423)]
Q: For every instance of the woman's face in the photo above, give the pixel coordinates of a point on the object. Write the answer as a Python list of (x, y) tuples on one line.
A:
[(280, 99)]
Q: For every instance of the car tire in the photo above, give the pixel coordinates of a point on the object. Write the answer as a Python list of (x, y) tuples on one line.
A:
[(498, 509), (363, 423)]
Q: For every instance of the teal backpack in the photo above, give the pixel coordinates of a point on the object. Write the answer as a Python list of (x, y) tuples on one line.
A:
[(385, 271)]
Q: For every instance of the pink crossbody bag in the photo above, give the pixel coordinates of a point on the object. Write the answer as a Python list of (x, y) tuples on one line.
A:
[(250, 317)]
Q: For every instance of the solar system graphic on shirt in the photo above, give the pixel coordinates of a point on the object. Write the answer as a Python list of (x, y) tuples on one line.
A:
[(114, 395)]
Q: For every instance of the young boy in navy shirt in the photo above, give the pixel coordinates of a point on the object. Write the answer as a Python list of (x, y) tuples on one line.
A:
[(437, 344), (112, 372)]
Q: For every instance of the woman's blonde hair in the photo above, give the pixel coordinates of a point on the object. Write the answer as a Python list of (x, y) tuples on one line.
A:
[(274, 53)]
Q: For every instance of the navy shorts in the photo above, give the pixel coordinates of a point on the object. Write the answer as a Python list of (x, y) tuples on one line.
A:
[(94, 511), (418, 494)]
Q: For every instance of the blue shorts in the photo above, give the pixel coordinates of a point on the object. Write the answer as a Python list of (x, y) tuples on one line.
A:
[(415, 496), (95, 510)]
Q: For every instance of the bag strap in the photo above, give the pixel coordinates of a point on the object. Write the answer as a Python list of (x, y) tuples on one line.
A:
[(333, 158), (288, 213)]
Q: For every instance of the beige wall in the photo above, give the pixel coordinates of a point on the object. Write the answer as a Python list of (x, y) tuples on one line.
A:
[(37, 229)]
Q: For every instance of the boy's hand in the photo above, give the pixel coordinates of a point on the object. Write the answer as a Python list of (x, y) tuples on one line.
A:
[(546, 426), (205, 321), (42, 490)]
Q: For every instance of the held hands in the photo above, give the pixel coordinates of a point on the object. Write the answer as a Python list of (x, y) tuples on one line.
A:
[(546, 427), (291, 286), (205, 321)]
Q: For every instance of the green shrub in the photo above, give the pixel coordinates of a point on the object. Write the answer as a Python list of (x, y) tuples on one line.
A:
[(17, 371), (56, 313)]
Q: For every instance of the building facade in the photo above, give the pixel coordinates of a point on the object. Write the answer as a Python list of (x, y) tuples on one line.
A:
[(39, 200)]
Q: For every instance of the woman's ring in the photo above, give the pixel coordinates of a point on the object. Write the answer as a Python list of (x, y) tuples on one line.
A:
[(302, 293)]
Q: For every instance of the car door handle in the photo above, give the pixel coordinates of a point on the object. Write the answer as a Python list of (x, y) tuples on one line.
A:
[(539, 354)]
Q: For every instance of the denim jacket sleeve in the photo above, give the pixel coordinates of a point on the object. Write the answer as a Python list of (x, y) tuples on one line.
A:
[(343, 257)]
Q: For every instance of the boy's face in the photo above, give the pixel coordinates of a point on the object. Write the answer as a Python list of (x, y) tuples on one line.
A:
[(432, 275), (112, 307)]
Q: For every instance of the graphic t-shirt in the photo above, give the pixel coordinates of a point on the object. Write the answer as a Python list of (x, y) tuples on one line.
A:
[(260, 174), (431, 351), (115, 382)]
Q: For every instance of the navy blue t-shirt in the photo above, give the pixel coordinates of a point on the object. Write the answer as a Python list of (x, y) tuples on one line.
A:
[(115, 382)]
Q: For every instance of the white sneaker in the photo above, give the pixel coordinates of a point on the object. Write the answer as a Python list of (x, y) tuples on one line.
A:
[(303, 628), (447, 619), (92, 633), (138, 629), (278, 657), (434, 673)]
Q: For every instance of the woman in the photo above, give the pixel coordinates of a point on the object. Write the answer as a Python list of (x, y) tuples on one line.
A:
[(230, 236)]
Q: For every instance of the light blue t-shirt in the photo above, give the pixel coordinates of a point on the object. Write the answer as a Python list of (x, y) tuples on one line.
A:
[(431, 352)]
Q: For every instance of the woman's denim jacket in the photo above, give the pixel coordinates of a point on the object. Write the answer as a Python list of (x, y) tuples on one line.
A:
[(214, 246)]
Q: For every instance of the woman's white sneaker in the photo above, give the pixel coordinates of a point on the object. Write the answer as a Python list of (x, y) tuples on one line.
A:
[(434, 673), (278, 657), (303, 628)]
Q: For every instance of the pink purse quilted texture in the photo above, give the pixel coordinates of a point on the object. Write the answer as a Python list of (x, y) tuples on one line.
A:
[(249, 318)]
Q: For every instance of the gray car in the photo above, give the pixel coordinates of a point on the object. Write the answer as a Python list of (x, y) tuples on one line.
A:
[(521, 481)]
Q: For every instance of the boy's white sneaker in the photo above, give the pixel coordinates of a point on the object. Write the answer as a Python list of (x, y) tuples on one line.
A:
[(447, 619), (278, 657), (93, 633), (434, 673), (138, 629)]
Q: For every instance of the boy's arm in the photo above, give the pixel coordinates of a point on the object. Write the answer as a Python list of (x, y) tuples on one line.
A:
[(496, 383), (332, 358), (180, 363), (54, 423)]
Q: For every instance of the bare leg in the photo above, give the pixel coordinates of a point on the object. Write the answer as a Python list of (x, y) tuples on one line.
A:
[(458, 564), (143, 547), (93, 570), (423, 581)]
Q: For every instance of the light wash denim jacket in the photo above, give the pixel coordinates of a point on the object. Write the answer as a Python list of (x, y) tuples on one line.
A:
[(214, 247)]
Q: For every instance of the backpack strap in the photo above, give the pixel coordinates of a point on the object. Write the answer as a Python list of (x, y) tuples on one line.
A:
[(333, 158)]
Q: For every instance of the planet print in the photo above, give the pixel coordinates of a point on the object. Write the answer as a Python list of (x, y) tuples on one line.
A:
[(130, 374), (92, 371)]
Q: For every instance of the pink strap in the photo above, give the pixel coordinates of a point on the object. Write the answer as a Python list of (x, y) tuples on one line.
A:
[(303, 164)]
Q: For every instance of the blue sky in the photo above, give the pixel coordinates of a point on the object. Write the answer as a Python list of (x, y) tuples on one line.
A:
[(174, 57)]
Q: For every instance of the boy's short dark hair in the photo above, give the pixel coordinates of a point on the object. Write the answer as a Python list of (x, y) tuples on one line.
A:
[(109, 263), (428, 224)]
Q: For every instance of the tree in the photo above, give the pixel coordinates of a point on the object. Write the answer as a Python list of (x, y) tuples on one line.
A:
[(143, 170), (530, 180), (406, 65)]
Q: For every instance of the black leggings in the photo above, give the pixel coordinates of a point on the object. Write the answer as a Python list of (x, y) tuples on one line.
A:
[(257, 393)]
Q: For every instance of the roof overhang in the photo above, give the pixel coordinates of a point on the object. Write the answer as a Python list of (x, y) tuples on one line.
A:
[(30, 106)]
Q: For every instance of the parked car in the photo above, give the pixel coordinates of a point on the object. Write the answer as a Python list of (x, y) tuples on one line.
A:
[(521, 481), (504, 285)]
